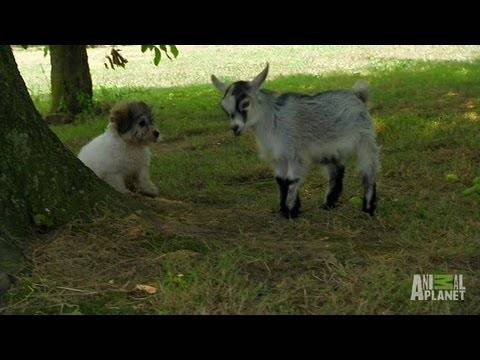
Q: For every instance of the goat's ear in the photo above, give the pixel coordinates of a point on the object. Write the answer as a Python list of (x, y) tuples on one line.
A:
[(260, 78), (222, 87)]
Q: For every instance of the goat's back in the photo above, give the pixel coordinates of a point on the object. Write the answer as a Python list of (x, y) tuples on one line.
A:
[(327, 115)]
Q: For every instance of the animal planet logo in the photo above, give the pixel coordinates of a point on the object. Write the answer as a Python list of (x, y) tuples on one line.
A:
[(438, 287)]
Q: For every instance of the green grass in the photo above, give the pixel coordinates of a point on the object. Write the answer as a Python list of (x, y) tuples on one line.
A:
[(216, 244)]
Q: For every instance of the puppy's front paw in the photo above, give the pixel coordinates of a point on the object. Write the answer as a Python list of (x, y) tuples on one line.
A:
[(124, 191), (151, 191)]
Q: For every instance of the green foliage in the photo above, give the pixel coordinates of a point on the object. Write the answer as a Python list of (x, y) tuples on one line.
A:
[(115, 59), (157, 49), (173, 50), (158, 56)]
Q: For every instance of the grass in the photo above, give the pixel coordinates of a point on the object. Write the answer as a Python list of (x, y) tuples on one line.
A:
[(216, 244)]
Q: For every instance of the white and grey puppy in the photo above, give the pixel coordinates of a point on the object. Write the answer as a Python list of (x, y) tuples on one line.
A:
[(294, 131), (120, 156)]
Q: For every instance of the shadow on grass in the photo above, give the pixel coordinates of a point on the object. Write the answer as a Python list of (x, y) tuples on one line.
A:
[(216, 244)]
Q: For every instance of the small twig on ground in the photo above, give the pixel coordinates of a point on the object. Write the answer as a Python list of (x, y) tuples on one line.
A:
[(87, 292)]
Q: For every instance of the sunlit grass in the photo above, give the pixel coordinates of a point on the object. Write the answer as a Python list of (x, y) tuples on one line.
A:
[(215, 243)]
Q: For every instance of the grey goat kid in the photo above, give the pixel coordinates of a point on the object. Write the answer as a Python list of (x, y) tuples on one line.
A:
[(295, 131)]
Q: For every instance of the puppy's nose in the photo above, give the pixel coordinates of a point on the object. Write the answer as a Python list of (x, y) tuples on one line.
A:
[(235, 129), (156, 134)]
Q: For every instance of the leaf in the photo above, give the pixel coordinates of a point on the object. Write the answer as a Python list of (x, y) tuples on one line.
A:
[(147, 47), (111, 61), (164, 48), (158, 56), (118, 59), (45, 50), (174, 51), (355, 201), (146, 288), (451, 178)]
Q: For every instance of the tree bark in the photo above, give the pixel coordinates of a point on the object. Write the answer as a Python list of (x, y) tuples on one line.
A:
[(42, 184), (71, 81)]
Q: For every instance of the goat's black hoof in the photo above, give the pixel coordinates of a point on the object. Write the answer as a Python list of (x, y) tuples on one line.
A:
[(290, 214), (370, 211), (285, 213), (294, 213)]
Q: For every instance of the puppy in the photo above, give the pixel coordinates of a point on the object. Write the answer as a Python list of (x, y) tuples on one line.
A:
[(120, 156)]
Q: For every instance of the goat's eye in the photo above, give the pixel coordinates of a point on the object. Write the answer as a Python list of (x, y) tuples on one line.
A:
[(142, 123)]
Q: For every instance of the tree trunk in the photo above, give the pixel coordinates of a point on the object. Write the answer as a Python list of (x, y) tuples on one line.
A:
[(70, 79), (42, 184)]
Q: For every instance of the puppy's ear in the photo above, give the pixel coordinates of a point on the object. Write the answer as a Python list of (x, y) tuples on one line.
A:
[(143, 105), (120, 116), (144, 108)]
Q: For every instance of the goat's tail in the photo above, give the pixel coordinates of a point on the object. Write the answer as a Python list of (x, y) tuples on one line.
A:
[(361, 90)]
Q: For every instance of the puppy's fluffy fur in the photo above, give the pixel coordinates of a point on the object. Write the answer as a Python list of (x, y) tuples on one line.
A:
[(120, 156)]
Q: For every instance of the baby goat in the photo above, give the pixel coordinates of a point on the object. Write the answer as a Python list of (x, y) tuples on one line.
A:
[(294, 131)]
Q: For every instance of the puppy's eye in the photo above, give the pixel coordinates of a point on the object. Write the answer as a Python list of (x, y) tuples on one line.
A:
[(245, 104), (142, 123)]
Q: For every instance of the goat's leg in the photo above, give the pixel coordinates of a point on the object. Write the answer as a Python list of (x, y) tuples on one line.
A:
[(295, 174), (369, 165), (335, 171), (280, 168), (370, 194), (293, 198), (283, 189)]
